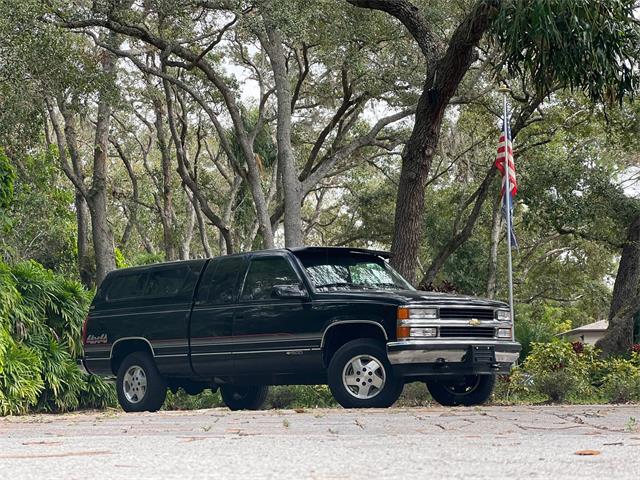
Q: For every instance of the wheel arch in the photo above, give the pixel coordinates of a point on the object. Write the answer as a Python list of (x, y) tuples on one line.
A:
[(125, 346), (339, 333)]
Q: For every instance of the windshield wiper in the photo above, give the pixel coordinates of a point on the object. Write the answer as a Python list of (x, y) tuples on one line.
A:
[(388, 285), (336, 284), (353, 286)]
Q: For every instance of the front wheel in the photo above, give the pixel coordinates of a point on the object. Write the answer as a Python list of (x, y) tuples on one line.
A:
[(238, 397), (139, 385), (465, 390), (360, 376)]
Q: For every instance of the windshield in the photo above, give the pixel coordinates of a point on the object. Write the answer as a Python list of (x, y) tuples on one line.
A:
[(332, 272)]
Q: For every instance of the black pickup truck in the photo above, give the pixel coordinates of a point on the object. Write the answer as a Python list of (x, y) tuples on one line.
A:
[(311, 315)]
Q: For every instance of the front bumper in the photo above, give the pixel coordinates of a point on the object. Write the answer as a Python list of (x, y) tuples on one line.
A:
[(452, 357)]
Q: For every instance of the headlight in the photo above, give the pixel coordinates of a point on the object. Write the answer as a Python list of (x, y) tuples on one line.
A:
[(503, 315), (504, 333), (404, 331), (417, 313), (423, 332), (413, 322)]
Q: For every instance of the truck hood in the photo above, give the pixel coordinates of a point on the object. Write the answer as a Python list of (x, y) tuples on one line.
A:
[(414, 297)]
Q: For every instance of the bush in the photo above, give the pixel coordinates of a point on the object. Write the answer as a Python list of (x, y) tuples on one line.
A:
[(555, 369), (183, 401), (41, 318), (299, 396), (561, 371), (622, 383)]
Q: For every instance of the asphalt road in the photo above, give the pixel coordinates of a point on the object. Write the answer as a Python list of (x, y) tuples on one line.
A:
[(435, 442)]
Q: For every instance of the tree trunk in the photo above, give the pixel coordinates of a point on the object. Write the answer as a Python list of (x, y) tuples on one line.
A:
[(85, 269), (408, 225), (84, 260), (625, 303), (291, 185), (166, 209), (202, 229), (443, 78), (492, 267), (103, 243), (185, 250)]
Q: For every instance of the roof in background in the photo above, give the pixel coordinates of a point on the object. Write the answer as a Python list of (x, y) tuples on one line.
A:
[(599, 326)]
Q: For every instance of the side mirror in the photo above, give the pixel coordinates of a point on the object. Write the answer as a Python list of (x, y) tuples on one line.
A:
[(289, 292)]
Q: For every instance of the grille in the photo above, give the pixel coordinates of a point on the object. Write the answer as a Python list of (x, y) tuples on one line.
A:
[(476, 332), (466, 313)]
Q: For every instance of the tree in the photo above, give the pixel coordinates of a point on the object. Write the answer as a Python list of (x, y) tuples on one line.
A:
[(600, 39), (625, 303)]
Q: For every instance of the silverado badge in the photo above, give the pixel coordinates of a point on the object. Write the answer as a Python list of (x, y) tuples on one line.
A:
[(474, 321), (96, 339)]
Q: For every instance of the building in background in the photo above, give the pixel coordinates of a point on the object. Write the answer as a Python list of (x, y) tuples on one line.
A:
[(588, 334)]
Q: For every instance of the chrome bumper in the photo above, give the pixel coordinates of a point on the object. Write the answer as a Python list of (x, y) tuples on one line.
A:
[(448, 351)]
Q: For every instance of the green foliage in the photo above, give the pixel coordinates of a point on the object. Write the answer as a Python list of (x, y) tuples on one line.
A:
[(42, 218), (298, 396), (584, 44), (540, 323), (7, 176), (622, 383), (280, 397), (560, 371), (121, 261), (183, 401), (555, 368), (40, 327), (20, 380)]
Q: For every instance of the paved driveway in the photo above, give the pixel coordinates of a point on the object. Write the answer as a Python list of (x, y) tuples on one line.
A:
[(487, 442)]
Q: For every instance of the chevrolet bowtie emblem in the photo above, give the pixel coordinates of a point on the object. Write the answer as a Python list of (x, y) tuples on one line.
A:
[(474, 322)]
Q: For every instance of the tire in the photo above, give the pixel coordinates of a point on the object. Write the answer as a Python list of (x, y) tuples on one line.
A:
[(466, 390), (238, 397), (139, 385), (363, 363)]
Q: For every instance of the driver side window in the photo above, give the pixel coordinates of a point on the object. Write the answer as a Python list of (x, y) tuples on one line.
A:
[(264, 273)]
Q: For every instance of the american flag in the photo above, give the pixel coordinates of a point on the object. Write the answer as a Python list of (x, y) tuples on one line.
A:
[(505, 155)]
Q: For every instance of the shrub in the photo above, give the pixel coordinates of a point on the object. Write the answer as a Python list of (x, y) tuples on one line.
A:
[(183, 401), (556, 370), (295, 396), (622, 383), (41, 318), (21, 381)]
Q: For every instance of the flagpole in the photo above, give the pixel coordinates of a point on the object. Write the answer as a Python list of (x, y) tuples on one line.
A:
[(507, 192)]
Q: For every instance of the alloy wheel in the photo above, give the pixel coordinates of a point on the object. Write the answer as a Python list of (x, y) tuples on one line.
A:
[(364, 377)]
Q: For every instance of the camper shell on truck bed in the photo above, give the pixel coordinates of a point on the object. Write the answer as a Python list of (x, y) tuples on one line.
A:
[(309, 315)]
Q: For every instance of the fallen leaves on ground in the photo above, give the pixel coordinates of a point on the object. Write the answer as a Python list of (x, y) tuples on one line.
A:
[(588, 452)]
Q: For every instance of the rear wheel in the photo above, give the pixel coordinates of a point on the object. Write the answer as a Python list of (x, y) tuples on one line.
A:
[(464, 390), (238, 397), (360, 376), (139, 385)]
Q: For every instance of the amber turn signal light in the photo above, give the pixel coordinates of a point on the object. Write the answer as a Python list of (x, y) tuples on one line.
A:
[(403, 331)]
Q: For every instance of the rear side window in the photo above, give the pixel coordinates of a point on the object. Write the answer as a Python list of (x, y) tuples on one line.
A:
[(162, 282), (166, 283), (127, 286), (219, 288)]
